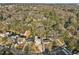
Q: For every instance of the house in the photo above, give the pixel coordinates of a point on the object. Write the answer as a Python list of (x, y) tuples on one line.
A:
[(47, 46), (27, 33), (51, 37), (46, 41), (30, 40), (37, 40), (61, 51), (38, 44), (2, 35)]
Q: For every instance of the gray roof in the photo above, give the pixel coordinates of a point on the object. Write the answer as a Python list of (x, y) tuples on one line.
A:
[(61, 51)]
